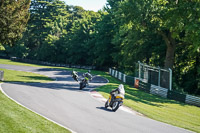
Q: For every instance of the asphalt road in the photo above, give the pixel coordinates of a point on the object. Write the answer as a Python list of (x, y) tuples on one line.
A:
[(63, 102)]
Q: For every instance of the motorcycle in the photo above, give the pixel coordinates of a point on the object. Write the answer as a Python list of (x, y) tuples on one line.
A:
[(114, 101)]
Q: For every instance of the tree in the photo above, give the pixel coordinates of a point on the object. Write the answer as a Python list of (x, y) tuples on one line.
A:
[(164, 17), (13, 19), (103, 35), (47, 24), (79, 41)]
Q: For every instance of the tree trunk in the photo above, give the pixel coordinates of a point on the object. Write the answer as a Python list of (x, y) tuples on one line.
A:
[(169, 59), (171, 47)]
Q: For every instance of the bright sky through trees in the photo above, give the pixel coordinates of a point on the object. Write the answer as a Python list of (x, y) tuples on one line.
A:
[(94, 5)]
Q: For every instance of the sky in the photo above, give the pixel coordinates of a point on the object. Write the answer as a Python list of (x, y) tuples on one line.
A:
[(94, 5)]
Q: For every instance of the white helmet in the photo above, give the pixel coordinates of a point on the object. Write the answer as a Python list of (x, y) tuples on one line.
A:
[(121, 89)]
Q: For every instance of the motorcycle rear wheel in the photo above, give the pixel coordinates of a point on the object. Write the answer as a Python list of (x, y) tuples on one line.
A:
[(81, 86)]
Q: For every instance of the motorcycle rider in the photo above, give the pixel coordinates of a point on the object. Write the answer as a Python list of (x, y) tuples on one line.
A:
[(119, 92), (87, 76)]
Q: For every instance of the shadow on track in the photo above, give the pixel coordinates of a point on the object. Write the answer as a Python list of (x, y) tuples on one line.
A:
[(105, 109)]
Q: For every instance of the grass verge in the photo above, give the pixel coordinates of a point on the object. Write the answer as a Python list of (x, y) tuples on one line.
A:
[(17, 119), (157, 108)]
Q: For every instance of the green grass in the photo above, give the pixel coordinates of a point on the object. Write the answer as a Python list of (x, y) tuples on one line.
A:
[(17, 119), (9, 62), (157, 108), (20, 76)]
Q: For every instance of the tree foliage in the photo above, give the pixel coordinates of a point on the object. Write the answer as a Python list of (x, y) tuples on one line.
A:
[(13, 19)]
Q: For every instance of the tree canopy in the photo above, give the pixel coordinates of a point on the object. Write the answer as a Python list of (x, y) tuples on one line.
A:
[(13, 19)]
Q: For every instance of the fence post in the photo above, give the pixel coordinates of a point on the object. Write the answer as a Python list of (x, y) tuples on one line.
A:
[(110, 70), (158, 76), (170, 79), (124, 78), (119, 75), (139, 70), (116, 72), (113, 72)]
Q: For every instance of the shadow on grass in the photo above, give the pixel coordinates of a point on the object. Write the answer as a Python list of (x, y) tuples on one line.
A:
[(37, 78)]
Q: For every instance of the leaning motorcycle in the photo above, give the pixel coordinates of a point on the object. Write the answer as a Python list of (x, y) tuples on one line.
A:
[(114, 101)]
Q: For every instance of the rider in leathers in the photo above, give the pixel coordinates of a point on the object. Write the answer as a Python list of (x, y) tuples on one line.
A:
[(119, 92), (74, 74)]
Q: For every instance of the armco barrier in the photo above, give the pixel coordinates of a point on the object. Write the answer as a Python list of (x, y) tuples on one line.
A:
[(176, 96), (130, 80), (110, 71), (156, 90), (192, 100), (113, 73), (124, 78), (120, 76), (144, 86), (116, 74)]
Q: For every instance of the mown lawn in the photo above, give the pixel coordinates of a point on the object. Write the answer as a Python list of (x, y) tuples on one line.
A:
[(157, 108)]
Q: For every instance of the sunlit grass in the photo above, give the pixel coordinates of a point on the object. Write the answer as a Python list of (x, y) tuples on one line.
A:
[(9, 62), (16, 119), (20, 76)]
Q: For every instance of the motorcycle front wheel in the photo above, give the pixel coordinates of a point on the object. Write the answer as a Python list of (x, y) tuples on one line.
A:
[(115, 106), (81, 86), (106, 104)]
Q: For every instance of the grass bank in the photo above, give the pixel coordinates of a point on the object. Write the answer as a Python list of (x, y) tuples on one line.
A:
[(157, 108)]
